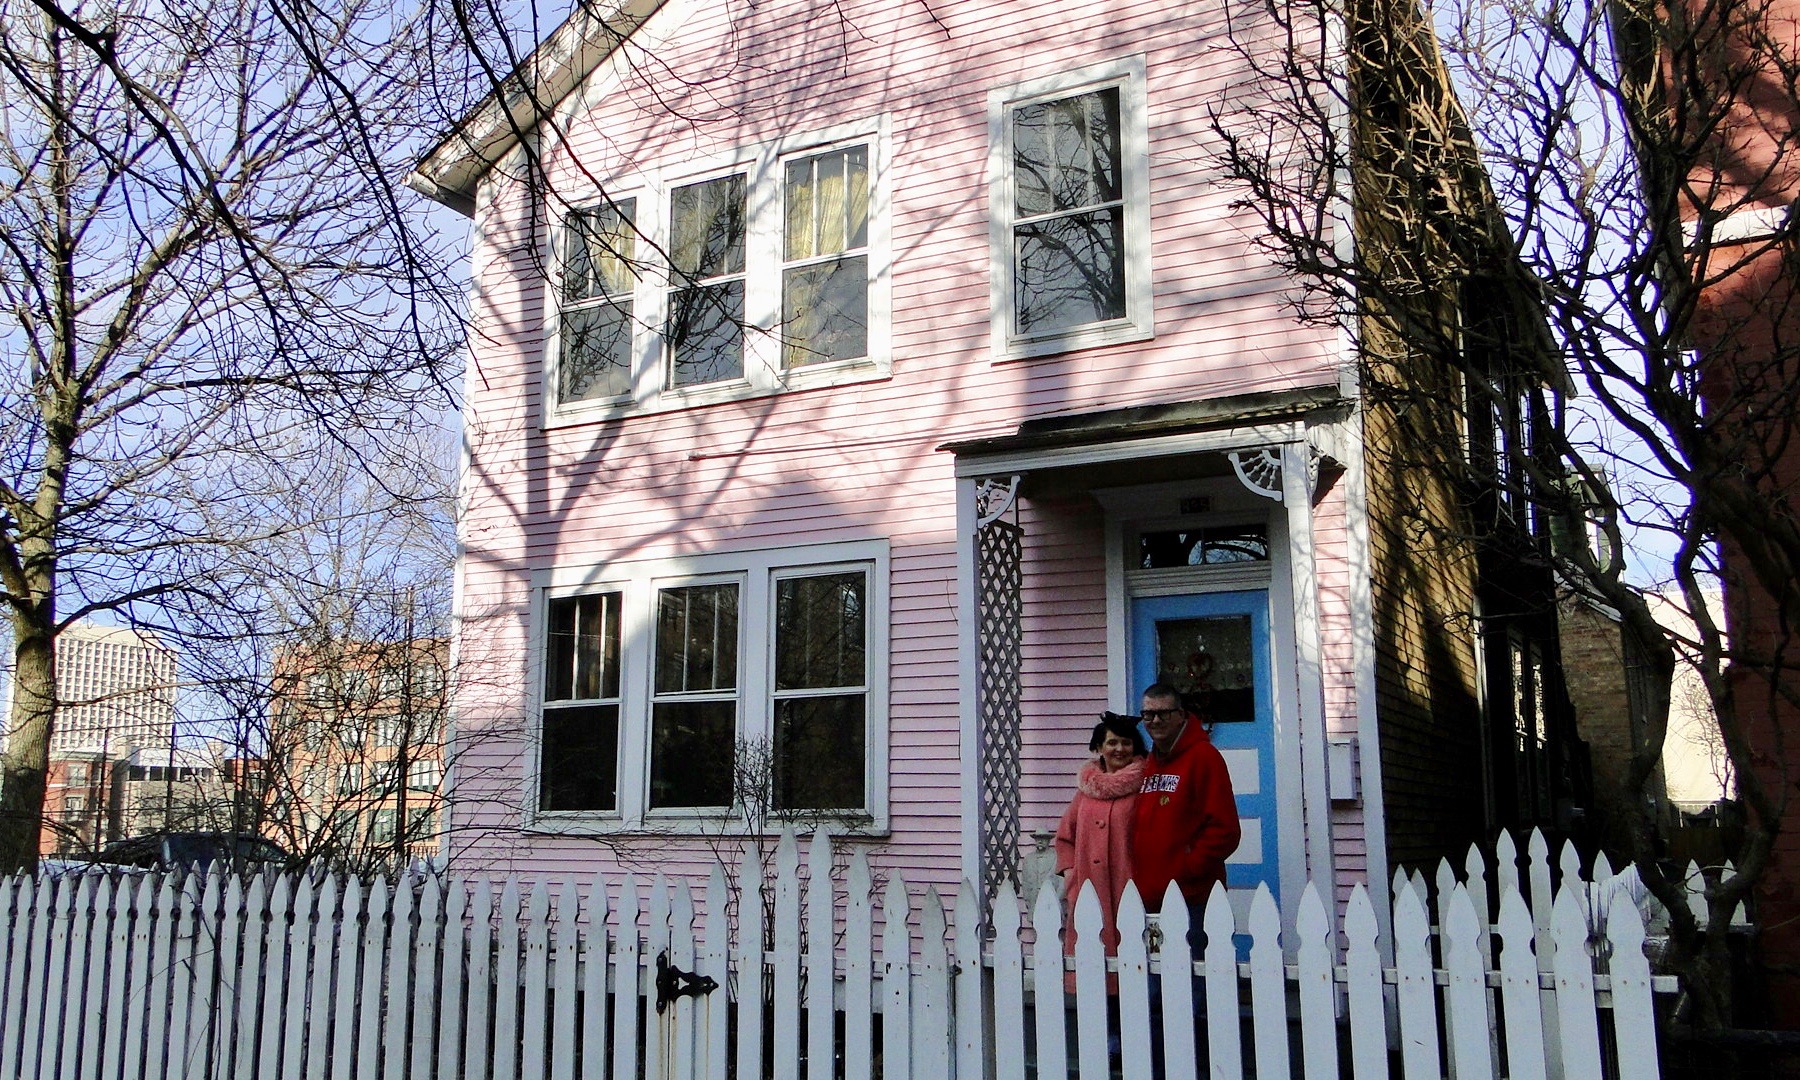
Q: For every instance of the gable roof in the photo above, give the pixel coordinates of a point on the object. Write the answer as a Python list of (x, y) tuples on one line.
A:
[(450, 172)]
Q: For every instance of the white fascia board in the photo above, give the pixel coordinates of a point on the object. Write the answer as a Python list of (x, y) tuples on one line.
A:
[(1746, 225), (543, 79), (1252, 437)]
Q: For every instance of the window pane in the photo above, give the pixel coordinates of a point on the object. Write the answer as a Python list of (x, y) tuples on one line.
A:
[(582, 654), (691, 753), (1070, 271), (1066, 153), (819, 753), (595, 359), (819, 632), (707, 229), (601, 244), (706, 334), (697, 639), (828, 203), (1212, 662), (579, 767), (1211, 546), (825, 312)]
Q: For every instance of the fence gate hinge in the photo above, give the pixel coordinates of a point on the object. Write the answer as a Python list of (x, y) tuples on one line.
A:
[(672, 982)]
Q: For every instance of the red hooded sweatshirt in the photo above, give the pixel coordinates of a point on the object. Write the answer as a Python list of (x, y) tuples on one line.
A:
[(1186, 820)]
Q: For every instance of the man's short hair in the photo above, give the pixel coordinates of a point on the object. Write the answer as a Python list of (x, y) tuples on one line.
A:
[(1164, 690)]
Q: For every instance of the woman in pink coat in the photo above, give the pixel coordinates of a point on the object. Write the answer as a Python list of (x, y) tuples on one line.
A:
[(1093, 841)]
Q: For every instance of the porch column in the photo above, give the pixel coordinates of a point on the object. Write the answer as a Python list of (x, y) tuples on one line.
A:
[(1287, 475), (990, 546)]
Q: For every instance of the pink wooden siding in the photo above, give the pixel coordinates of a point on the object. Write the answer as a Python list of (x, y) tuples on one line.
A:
[(860, 462)]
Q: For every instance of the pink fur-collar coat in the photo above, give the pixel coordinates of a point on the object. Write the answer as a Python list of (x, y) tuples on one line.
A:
[(1093, 841)]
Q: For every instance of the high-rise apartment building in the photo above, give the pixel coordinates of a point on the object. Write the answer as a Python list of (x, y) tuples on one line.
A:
[(115, 690)]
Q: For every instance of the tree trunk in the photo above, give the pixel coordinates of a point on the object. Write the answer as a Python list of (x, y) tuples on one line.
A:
[(26, 761)]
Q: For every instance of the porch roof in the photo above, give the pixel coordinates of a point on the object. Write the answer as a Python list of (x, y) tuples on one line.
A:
[(1148, 423)]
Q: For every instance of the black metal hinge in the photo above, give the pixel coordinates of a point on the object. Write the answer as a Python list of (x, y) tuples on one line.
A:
[(672, 982)]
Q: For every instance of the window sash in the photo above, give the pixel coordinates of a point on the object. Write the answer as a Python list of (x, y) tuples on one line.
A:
[(694, 714), (579, 742), (703, 332), (803, 691), (1070, 214)]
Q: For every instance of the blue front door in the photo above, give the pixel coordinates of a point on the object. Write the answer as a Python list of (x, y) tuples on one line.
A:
[(1214, 647)]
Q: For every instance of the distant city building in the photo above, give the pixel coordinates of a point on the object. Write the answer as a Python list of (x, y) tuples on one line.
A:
[(356, 729), (164, 790), (115, 702), (115, 689)]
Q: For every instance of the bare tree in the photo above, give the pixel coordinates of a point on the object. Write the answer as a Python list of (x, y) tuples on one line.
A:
[(204, 276), (320, 664), (1586, 140)]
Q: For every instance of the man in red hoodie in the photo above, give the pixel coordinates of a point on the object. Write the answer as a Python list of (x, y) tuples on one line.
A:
[(1186, 820)]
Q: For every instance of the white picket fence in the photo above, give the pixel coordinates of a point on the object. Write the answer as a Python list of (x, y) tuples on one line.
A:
[(334, 979)]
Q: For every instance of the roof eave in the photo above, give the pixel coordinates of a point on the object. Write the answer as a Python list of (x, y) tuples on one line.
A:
[(450, 172)]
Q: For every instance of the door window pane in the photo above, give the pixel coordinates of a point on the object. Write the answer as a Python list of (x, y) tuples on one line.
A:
[(1214, 545), (1210, 660)]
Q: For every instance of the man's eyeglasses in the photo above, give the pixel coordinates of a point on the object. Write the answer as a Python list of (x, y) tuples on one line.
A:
[(1164, 714)]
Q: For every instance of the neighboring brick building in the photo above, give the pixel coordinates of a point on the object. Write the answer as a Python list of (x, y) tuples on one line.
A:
[(355, 772)]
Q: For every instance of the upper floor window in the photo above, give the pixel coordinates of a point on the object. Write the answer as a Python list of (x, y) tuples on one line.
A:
[(1071, 211), (825, 267), (765, 272), (705, 325), (595, 335)]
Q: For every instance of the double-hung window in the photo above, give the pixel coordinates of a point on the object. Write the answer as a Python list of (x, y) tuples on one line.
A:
[(717, 687), (755, 273), (704, 332), (825, 257), (1071, 211), (595, 336), (581, 704)]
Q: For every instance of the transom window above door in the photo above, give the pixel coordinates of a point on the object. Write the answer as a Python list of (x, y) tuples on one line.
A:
[(767, 274)]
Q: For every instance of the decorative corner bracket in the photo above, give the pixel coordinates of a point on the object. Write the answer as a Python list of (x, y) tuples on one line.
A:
[(1260, 471), (994, 497)]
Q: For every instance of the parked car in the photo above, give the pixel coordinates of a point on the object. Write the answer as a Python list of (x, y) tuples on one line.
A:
[(193, 851)]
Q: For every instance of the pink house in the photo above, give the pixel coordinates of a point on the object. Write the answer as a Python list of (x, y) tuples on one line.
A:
[(864, 396)]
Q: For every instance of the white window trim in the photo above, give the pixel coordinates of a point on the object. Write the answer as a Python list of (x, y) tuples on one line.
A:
[(763, 374), (1129, 75), (639, 582)]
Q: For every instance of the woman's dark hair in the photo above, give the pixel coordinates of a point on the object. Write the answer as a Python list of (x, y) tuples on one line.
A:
[(1126, 727)]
